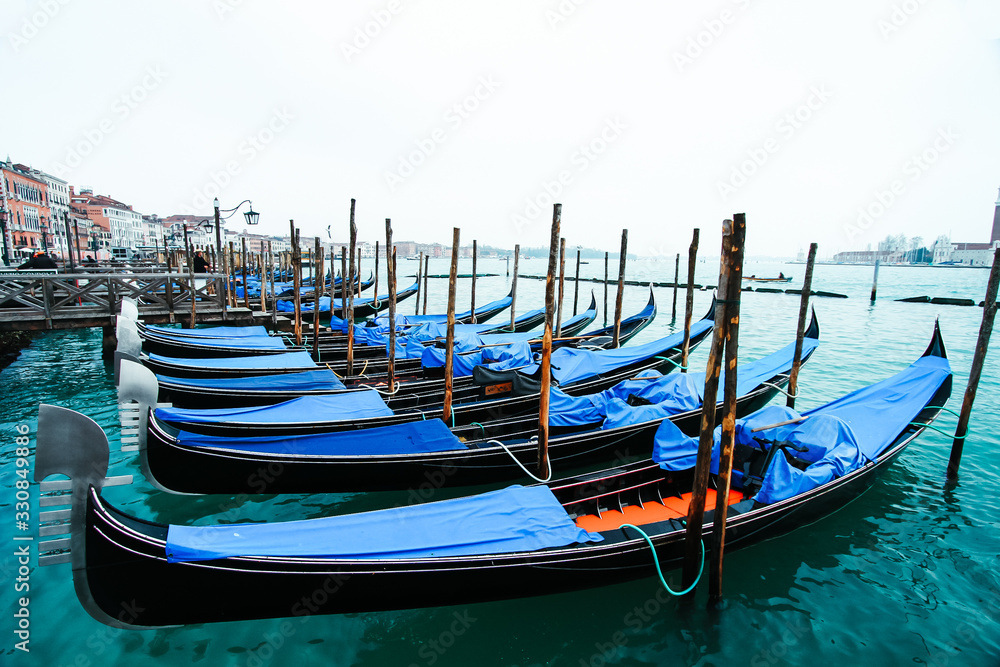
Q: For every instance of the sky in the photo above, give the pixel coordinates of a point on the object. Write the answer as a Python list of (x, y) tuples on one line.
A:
[(835, 123)]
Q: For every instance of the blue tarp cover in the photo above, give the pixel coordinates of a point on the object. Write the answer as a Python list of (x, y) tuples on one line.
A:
[(572, 365), (318, 380), (286, 360), (840, 436), (432, 435), (506, 521), (500, 357), (349, 405), (245, 342), (210, 332), (668, 394)]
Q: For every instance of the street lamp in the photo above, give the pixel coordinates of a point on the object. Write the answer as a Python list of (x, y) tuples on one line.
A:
[(45, 232), (252, 218)]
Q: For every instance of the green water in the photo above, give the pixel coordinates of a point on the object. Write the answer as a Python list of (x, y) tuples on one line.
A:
[(906, 574)]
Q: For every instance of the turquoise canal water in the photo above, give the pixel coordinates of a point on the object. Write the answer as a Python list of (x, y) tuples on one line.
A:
[(906, 574)]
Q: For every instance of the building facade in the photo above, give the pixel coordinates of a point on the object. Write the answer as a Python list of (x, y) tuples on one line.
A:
[(25, 199)]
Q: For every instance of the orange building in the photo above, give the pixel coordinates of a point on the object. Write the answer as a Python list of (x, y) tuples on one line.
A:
[(25, 198)]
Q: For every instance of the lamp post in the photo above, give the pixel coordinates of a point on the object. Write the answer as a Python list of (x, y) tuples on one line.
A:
[(45, 232), (3, 230), (252, 218)]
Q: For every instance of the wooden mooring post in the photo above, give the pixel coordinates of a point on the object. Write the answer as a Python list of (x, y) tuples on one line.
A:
[(449, 346), (544, 467), (350, 301), (699, 489), (191, 286), (800, 331), (689, 300), (677, 273), (728, 441), (875, 279), (562, 278), (390, 270), (427, 268), (978, 358), (474, 253), (606, 254), (274, 296), (343, 284), (243, 268), (513, 286), (420, 273), (576, 283), (616, 339), (317, 295), (296, 282)]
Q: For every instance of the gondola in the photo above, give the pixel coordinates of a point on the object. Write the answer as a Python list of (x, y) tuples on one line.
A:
[(618, 423), (362, 307), (296, 362), (500, 393), (517, 542), (484, 313), (307, 287)]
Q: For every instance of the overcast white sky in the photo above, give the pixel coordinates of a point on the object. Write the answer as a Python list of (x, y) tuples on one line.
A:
[(657, 115)]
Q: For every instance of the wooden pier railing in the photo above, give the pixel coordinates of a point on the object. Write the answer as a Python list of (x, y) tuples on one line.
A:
[(45, 300)]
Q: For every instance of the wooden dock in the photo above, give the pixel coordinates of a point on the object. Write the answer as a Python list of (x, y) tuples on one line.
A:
[(42, 301)]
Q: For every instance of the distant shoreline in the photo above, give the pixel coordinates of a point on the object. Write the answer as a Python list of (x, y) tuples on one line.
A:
[(917, 266)]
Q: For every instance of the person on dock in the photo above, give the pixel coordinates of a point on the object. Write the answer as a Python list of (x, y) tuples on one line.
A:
[(201, 265), (90, 260), (39, 261)]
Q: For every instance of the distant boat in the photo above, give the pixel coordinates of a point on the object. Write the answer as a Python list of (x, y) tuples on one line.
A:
[(779, 279), (414, 257)]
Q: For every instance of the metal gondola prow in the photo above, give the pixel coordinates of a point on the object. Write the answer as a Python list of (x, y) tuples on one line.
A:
[(813, 330), (137, 396), (936, 347)]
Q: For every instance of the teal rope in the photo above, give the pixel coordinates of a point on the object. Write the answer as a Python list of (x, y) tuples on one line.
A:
[(935, 428), (480, 426), (683, 368), (656, 562)]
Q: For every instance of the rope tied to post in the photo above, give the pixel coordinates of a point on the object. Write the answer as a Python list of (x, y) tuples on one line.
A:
[(656, 562)]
